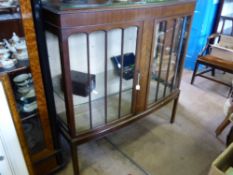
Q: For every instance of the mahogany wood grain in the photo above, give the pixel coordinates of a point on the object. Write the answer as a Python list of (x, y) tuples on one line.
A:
[(75, 18), (218, 62), (145, 57), (30, 38)]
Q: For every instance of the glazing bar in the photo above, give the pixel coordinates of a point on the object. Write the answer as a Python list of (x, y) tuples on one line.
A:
[(161, 60), (121, 73), (106, 77), (179, 53), (89, 78)]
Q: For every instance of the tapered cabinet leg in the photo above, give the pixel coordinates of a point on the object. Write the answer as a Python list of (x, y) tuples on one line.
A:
[(194, 72), (74, 155), (175, 104)]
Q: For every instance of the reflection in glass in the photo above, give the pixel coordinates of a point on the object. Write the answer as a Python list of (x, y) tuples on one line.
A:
[(78, 52), (102, 67), (121, 51), (156, 66), (130, 44), (167, 51), (97, 70), (185, 24), (34, 135), (113, 79), (55, 69)]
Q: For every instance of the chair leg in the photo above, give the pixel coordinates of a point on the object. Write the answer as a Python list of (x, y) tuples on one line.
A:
[(194, 72), (231, 90), (174, 108), (222, 126), (213, 72), (230, 94), (74, 155)]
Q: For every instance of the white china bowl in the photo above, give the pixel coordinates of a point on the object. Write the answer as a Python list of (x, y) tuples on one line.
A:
[(22, 77), (30, 107), (24, 90), (30, 94), (8, 63)]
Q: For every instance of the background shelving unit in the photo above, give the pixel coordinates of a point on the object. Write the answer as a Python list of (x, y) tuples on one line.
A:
[(36, 125)]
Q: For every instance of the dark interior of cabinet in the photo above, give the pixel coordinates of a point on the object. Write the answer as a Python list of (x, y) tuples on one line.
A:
[(10, 21)]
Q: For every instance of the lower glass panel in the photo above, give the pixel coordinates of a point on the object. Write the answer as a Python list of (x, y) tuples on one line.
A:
[(55, 70), (126, 102), (34, 135)]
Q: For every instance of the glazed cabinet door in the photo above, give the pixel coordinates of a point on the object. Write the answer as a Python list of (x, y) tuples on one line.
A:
[(98, 74), (167, 57)]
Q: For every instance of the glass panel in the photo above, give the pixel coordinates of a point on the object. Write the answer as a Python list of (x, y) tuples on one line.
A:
[(167, 67), (156, 65), (130, 44), (113, 83), (183, 39), (164, 68), (121, 44), (97, 70), (34, 134), (55, 69), (78, 52), (175, 53), (100, 95), (178, 46)]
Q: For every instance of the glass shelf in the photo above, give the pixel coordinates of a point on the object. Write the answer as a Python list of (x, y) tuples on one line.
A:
[(97, 93), (25, 117)]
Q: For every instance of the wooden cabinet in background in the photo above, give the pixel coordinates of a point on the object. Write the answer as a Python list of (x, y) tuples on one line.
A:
[(26, 80)]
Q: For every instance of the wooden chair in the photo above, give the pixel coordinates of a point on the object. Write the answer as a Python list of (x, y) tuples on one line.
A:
[(228, 119), (212, 62)]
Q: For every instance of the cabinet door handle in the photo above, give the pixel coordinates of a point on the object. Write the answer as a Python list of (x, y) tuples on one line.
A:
[(138, 87)]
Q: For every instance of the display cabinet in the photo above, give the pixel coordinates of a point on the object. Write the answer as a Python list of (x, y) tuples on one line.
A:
[(112, 63), (12, 141), (20, 61)]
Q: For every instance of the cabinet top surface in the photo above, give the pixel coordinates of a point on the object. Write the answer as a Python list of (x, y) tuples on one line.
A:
[(59, 6)]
